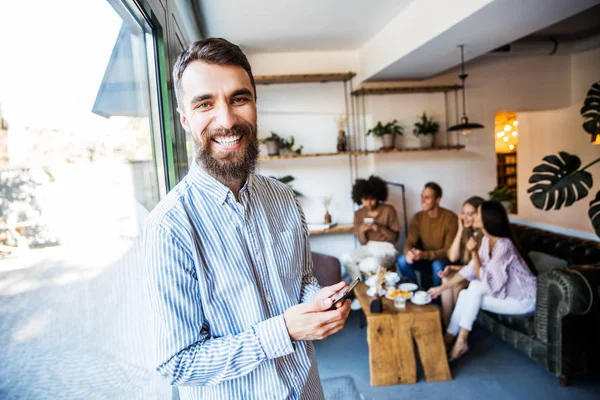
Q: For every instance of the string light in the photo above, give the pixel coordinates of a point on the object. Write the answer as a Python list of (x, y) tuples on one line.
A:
[(505, 138), (512, 147), (515, 133), (500, 134), (507, 128)]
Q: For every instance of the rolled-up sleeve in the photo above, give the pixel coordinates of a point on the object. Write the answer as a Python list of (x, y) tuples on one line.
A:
[(185, 351)]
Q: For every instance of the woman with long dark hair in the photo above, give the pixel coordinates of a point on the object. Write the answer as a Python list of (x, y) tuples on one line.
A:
[(459, 255), (503, 278)]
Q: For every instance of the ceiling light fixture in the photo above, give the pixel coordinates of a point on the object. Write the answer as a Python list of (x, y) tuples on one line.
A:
[(465, 126)]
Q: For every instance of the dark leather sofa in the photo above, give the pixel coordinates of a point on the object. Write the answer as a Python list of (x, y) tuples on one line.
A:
[(563, 334)]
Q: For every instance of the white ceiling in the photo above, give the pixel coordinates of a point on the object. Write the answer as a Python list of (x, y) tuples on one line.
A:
[(396, 39), (265, 26)]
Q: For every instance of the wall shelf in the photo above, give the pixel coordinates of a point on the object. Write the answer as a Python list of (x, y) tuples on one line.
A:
[(361, 152), (303, 78), (335, 229), (404, 90)]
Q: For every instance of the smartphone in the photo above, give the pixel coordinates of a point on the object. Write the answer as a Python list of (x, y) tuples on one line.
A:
[(345, 294)]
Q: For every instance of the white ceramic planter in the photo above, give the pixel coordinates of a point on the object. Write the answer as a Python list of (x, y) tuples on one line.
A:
[(426, 141), (272, 147), (388, 141)]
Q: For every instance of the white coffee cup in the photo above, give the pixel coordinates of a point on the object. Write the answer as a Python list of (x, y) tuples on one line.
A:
[(421, 296), (369, 220)]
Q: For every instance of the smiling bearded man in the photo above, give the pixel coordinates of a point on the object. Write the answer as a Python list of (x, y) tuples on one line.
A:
[(234, 301)]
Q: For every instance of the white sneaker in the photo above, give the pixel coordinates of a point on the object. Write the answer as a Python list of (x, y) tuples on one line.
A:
[(355, 305)]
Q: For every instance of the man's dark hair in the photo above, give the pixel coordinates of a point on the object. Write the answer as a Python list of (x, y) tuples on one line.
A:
[(211, 51), (437, 190), (372, 188)]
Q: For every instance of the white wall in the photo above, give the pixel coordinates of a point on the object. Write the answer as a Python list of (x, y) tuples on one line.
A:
[(308, 111), (549, 132)]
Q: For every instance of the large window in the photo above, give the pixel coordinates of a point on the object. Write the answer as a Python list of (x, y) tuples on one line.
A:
[(80, 167)]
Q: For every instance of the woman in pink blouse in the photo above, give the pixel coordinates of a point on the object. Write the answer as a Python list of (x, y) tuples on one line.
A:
[(502, 278)]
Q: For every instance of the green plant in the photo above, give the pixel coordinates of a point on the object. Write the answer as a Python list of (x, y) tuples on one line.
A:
[(288, 181), (283, 143), (274, 137), (391, 128), (426, 126), (503, 193), (289, 145)]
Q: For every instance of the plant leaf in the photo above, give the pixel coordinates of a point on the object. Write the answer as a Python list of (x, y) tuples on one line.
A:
[(559, 182), (594, 213), (591, 109)]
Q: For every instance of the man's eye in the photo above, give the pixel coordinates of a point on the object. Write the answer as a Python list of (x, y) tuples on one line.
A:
[(240, 100)]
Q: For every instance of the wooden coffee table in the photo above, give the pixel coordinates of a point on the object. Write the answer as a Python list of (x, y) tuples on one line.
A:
[(392, 336)]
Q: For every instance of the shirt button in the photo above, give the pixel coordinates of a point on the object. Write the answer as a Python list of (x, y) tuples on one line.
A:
[(268, 299)]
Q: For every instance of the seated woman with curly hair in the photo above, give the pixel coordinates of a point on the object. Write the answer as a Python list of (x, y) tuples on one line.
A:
[(376, 227)]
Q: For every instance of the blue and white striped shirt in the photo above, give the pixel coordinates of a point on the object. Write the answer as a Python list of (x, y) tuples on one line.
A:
[(218, 309)]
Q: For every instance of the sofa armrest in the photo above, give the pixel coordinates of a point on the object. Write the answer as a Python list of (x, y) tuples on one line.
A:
[(560, 293)]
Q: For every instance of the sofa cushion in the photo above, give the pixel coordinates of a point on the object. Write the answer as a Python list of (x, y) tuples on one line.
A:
[(520, 323), (544, 261)]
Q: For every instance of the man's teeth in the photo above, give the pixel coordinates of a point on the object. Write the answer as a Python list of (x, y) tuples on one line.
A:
[(228, 140)]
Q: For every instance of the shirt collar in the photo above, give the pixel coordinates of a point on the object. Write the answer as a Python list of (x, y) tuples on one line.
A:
[(213, 187)]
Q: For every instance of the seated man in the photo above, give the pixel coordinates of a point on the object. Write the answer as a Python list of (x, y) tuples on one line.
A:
[(376, 227), (430, 234)]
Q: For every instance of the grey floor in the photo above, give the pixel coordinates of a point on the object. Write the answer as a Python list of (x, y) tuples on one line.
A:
[(491, 370)]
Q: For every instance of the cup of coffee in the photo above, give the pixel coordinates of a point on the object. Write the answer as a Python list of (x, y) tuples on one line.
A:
[(421, 296), (369, 220)]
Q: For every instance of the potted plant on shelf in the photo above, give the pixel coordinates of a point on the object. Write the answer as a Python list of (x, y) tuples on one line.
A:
[(426, 129), (505, 195), (273, 143), (287, 147), (387, 133)]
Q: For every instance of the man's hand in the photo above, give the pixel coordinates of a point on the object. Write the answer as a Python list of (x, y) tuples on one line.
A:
[(410, 257), (331, 292), (313, 321), (417, 254)]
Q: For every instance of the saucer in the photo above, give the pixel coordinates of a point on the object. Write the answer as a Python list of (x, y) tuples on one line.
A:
[(408, 287), (426, 301)]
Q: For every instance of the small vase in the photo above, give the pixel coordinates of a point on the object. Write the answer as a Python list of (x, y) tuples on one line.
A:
[(388, 141), (327, 218), (341, 141)]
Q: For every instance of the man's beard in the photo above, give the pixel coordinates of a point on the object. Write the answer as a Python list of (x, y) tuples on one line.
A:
[(227, 169)]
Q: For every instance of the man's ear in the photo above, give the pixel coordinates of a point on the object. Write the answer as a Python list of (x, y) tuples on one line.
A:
[(183, 120)]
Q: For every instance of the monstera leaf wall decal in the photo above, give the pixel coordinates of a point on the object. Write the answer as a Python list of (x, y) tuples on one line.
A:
[(561, 182), (594, 213), (591, 111)]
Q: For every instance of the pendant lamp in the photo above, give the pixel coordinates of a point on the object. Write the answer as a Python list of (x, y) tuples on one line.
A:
[(465, 126)]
